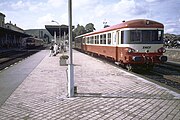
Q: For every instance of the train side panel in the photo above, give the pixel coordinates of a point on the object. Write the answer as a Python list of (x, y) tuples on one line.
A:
[(107, 51)]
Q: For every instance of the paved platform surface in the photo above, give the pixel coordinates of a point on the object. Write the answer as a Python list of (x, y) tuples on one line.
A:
[(104, 93), (11, 78)]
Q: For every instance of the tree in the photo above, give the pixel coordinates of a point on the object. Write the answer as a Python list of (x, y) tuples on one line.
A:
[(79, 30), (89, 27)]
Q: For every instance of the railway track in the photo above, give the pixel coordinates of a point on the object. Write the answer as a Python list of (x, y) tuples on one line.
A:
[(10, 57), (167, 73)]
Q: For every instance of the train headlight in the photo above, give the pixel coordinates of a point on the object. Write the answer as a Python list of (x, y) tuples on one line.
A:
[(130, 50), (161, 50)]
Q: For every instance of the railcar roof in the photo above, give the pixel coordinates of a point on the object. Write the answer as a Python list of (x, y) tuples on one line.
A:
[(138, 23)]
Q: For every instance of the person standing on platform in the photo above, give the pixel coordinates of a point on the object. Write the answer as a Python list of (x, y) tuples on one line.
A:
[(62, 47), (55, 49), (51, 50)]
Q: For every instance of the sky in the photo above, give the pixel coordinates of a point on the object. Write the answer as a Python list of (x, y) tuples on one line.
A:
[(35, 14)]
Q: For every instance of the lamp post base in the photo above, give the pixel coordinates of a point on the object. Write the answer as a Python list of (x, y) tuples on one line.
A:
[(70, 80)]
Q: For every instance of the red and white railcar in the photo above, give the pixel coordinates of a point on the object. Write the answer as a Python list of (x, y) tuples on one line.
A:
[(133, 43)]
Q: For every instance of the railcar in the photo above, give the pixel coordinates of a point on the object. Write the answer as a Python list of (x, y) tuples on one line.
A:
[(133, 44), (31, 42)]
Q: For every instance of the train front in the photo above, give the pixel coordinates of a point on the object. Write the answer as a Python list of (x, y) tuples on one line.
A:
[(144, 44)]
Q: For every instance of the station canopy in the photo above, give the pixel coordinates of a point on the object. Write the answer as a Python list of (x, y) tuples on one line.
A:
[(59, 29)]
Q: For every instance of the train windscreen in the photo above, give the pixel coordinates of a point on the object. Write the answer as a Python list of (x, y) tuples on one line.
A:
[(142, 36)]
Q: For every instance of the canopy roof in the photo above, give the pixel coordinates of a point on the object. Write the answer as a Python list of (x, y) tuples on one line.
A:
[(59, 29)]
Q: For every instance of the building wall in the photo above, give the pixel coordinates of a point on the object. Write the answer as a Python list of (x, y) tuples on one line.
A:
[(10, 35), (13, 27), (2, 20)]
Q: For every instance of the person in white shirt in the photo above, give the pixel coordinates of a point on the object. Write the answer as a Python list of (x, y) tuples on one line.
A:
[(55, 49)]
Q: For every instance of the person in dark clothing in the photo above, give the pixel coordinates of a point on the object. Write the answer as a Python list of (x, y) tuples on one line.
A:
[(51, 50)]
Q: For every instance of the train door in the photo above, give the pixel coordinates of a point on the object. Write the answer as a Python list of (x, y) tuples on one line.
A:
[(82, 41), (114, 38), (117, 37), (117, 43), (86, 39)]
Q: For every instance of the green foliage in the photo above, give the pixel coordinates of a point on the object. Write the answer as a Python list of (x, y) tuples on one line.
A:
[(79, 30), (89, 27)]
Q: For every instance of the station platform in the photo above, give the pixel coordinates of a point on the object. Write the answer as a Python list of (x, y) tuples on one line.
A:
[(104, 92)]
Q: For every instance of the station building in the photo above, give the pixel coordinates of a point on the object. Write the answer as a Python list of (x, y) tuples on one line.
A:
[(2, 19), (10, 34)]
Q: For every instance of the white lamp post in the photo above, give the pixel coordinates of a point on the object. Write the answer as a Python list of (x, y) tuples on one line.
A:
[(70, 65)]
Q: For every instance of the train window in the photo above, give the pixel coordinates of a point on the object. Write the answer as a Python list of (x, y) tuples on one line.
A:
[(154, 36), (101, 39), (135, 35), (83, 39), (141, 36), (97, 39), (91, 40), (147, 35), (104, 39), (117, 37), (114, 38), (122, 37), (109, 38), (160, 35), (151, 35), (87, 40)]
